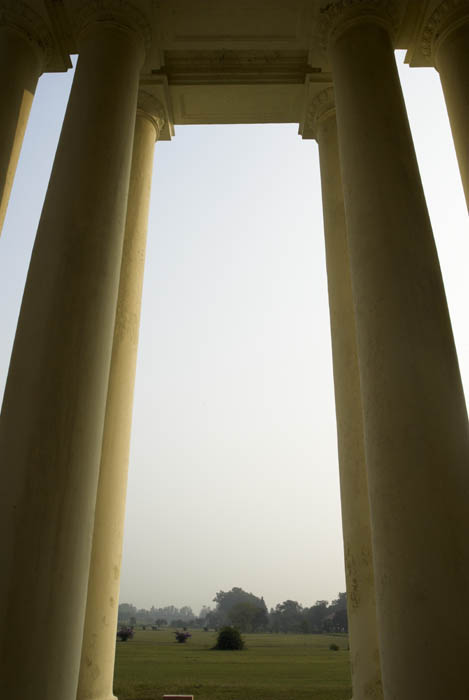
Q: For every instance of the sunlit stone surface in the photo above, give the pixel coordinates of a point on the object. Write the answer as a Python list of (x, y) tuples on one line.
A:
[(66, 417)]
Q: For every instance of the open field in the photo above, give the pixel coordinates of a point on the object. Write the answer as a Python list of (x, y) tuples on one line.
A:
[(273, 667)]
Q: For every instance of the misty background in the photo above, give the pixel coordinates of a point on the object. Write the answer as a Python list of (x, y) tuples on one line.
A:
[(233, 476)]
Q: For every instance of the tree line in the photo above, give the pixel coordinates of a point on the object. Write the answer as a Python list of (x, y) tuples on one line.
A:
[(247, 612)]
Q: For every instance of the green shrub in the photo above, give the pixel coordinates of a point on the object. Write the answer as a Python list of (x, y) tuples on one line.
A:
[(334, 647), (125, 633), (229, 638), (182, 637)]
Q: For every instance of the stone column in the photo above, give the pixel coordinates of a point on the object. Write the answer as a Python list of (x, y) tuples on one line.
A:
[(99, 639), (415, 420), (446, 38), (24, 45), (361, 606), (51, 425)]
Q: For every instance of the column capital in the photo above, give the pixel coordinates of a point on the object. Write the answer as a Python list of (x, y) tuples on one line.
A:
[(149, 107), (448, 16), (120, 13), (321, 107), (337, 17), (20, 17)]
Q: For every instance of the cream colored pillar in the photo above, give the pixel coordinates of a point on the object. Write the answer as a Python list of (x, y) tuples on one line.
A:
[(361, 606), (415, 421), (24, 43), (99, 639), (52, 420), (446, 37)]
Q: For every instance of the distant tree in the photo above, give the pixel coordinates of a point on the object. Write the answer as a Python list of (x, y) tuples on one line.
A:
[(170, 612), (290, 616), (126, 611), (248, 617), (315, 616), (143, 616), (227, 600), (161, 622), (287, 617), (205, 610), (177, 623), (133, 621), (340, 621), (186, 613), (340, 603), (338, 614), (214, 619)]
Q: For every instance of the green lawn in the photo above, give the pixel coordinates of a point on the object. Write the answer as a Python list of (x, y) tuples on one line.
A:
[(272, 667)]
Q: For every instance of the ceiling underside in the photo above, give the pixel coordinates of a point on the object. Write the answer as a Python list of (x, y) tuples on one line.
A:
[(231, 61)]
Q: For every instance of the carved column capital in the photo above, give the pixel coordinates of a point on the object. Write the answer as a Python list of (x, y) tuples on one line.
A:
[(121, 13), (321, 107), (338, 16), (448, 16), (149, 107), (21, 18)]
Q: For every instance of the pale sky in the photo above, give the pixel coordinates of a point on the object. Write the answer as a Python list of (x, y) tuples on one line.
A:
[(233, 470)]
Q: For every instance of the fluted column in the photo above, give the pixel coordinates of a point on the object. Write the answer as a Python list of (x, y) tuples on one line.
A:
[(24, 45), (99, 639), (356, 528), (446, 39), (52, 420), (415, 420)]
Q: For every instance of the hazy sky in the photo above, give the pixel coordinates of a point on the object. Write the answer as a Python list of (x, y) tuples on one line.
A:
[(233, 469)]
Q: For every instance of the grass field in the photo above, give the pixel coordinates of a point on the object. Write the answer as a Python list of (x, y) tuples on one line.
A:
[(272, 667)]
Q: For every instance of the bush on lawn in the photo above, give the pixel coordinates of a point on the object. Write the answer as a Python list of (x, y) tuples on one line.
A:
[(182, 637), (333, 647), (229, 638), (125, 633)]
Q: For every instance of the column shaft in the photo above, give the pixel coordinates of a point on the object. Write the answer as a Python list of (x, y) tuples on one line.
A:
[(20, 68), (361, 604), (415, 421), (452, 61), (99, 639), (53, 413)]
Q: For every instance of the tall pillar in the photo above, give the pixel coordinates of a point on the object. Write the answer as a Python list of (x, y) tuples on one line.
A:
[(446, 38), (24, 44), (52, 420), (99, 638), (361, 605), (415, 420)]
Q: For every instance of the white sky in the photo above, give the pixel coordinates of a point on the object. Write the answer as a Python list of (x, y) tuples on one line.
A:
[(233, 470)]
